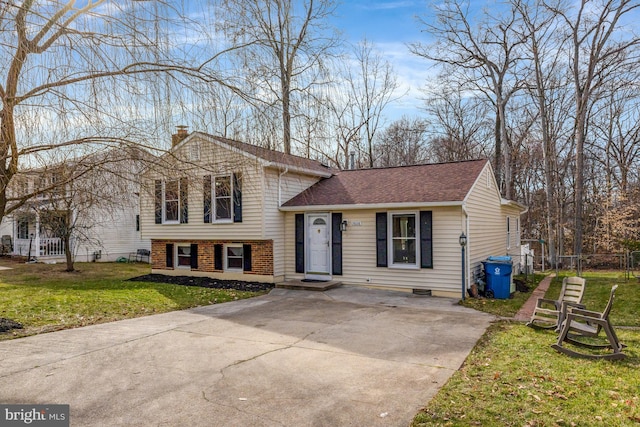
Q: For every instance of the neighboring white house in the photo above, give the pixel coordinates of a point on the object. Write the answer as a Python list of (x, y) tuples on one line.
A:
[(100, 205), (227, 209)]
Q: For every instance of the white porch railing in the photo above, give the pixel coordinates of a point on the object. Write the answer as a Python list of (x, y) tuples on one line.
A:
[(51, 246)]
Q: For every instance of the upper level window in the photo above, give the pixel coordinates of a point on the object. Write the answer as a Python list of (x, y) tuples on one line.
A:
[(403, 239), (222, 198), (171, 201)]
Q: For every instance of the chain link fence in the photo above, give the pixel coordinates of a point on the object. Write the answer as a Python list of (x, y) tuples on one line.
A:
[(628, 262)]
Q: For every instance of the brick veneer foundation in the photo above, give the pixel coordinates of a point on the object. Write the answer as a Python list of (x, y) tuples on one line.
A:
[(261, 255)]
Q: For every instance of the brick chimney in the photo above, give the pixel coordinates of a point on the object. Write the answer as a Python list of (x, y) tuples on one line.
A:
[(181, 134)]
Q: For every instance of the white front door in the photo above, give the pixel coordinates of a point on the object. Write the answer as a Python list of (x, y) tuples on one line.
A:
[(319, 248)]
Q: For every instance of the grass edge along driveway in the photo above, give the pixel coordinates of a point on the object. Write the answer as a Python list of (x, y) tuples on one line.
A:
[(44, 298), (514, 378)]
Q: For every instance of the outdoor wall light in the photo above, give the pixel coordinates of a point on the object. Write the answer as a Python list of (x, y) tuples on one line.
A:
[(343, 225), (463, 242)]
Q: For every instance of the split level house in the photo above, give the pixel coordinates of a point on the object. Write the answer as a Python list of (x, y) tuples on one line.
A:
[(90, 202), (231, 210)]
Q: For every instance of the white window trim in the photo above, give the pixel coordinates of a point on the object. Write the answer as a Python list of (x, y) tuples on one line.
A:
[(177, 256), (390, 262), (508, 232), (214, 205), (164, 203), (225, 267)]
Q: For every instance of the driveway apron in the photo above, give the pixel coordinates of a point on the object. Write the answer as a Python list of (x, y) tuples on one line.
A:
[(346, 357)]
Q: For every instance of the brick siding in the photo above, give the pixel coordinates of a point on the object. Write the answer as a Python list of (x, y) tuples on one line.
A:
[(261, 255)]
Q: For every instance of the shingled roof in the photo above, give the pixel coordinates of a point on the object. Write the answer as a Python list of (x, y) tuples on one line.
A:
[(429, 183), (272, 156)]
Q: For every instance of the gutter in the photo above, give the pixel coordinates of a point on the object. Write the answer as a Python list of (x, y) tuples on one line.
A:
[(283, 173), (356, 206)]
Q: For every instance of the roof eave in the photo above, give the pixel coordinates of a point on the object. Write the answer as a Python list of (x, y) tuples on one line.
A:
[(360, 206), (523, 209), (297, 169)]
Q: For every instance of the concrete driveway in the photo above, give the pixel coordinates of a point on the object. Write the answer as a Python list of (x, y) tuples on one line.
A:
[(345, 357)]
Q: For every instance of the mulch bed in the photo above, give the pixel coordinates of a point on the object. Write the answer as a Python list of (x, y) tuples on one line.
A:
[(8, 324), (205, 282)]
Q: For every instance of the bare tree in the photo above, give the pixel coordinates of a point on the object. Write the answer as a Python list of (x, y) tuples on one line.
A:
[(402, 143), (77, 195), (618, 130), (79, 73), (548, 88), (599, 53), (285, 46), (486, 58), (373, 87), (459, 124)]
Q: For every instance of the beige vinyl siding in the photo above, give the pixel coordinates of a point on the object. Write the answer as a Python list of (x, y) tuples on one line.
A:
[(513, 213), (214, 160), (359, 253), (487, 222), (280, 187)]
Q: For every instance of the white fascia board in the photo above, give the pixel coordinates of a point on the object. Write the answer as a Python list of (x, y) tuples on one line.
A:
[(226, 146), (291, 168), (412, 205), (523, 209), (263, 162)]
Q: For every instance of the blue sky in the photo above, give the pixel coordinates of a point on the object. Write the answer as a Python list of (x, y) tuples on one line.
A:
[(380, 21), (390, 25)]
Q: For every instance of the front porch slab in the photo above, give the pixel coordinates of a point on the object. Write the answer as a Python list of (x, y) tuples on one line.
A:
[(309, 285)]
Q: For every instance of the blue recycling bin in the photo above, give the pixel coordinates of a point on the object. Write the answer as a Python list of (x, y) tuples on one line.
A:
[(498, 270)]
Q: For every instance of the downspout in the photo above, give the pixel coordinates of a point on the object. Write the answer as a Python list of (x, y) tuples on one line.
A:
[(465, 227), (286, 170)]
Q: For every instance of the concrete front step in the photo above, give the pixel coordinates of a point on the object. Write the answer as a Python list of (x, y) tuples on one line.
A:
[(308, 286)]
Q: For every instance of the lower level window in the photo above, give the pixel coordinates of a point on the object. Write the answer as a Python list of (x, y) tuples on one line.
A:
[(235, 257), (184, 256)]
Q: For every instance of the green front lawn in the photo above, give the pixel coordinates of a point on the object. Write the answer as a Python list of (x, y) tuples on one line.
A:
[(514, 378), (596, 295), (45, 298)]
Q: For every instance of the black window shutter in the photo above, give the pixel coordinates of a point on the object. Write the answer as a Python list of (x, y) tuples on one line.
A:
[(217, 257), (246, 254), (237, 197), (381, 239), (184, 201), (426, 239), (299, 243), (206, 196), (158, 203), (336, 244), (194, 256), (169, 251)]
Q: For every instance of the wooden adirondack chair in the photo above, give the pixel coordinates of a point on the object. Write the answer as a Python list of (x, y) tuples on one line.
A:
[(549, 313), (583, 324)]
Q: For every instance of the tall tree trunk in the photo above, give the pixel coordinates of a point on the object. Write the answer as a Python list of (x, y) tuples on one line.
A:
[(68, 254), (286, 120), (497, 155)]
